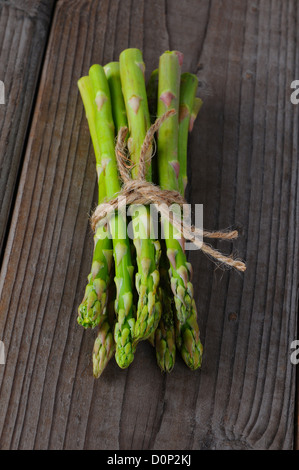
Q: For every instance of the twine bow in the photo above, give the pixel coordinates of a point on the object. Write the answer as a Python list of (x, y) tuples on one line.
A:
[(140, 191)]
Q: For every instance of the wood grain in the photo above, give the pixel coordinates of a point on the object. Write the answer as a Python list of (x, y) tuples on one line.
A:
[(243, 156), (23, 36)]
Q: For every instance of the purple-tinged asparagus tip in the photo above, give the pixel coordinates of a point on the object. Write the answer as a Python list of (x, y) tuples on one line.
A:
[(182, 271), (109, 256), (100, 287), (171, 254), (95, 268), (190, 269)]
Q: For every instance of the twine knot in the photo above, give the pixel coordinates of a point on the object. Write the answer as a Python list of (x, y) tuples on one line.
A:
[(140, 191)]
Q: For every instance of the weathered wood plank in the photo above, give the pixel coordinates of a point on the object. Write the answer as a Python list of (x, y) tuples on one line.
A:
[(244, 169), (23, 36)]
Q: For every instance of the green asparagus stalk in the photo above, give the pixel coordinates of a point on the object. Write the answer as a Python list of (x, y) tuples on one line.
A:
[(99, 278), (194, 113), (188, 88), (168, 98), (165, 339), (168, 168), (147, 249), (104, 349), (187, 334), (119, 112), (104, 346), (91, 311), (152, 93), (188, 340), (125, 323), (132, 70)]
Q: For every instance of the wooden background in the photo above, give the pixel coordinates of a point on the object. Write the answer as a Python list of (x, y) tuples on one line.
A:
[(244, 169)]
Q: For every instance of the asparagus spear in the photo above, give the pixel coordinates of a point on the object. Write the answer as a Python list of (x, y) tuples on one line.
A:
[(187, 333), (152, 92), (168, 169), (194, 113), (164, 339), (132, 70), (121, 247), (188, 88), (188, 340), (147, 249), (99, 278), (91, 310), (104, 346), (117, 101)]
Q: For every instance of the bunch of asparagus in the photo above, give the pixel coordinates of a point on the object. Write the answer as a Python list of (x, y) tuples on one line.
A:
[(139, 287)]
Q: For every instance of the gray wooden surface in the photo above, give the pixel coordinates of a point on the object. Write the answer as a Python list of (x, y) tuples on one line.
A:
[(24, 28), (244, 168)]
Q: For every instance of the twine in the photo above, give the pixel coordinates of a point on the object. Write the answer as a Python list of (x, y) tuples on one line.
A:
[(140, 191)]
